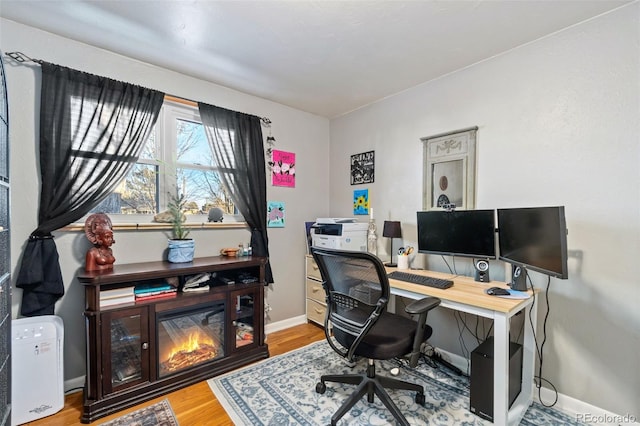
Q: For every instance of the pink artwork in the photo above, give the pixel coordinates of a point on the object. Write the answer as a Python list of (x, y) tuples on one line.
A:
[(283, 171)]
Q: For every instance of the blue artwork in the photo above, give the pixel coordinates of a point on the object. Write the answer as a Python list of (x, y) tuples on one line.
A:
[(275, 214), (361, 201)]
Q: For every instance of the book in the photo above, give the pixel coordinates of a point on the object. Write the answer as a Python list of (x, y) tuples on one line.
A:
[(152, 288), (117, 300), (116, 293), (166, 294), (154, 293)]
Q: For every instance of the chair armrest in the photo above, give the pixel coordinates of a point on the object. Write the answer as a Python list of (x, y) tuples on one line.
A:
[(421, 308), (422, 305)]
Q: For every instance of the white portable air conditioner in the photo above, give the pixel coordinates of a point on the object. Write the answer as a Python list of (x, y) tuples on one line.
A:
[(37, 380)]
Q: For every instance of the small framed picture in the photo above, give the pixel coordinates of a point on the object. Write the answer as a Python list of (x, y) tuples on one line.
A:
[(361, 201), (363, 168), (275, 214)]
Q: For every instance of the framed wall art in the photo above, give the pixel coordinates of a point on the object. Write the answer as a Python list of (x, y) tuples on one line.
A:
[(361, 201), (363, 168), (275, 214), (449, 170), (283, 168)]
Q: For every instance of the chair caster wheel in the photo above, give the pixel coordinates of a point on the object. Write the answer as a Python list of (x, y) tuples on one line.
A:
[(321, 388), (420, 399)]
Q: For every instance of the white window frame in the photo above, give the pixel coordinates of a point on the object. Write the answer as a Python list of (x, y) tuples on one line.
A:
[(167, 165)]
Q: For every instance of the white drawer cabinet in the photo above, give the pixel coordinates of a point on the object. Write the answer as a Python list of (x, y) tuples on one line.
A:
[(315, 297)]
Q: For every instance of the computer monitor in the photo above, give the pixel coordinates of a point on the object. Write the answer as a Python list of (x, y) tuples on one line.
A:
[(467, 233), (534, 238)]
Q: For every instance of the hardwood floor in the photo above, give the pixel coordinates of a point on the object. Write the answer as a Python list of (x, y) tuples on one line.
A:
[(196, 404)]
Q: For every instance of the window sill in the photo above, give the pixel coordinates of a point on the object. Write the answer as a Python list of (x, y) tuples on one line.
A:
[(79, 227)]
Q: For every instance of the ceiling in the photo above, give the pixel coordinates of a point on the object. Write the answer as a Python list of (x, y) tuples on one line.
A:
[(324, 57)]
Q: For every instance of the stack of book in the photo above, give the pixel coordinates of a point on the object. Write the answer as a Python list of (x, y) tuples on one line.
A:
[(116, 296), (144, 292)]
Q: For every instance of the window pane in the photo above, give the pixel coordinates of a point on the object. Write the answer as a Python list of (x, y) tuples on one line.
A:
[(137, 194), (89, 118), (140, 193), (193, 147), (203, 191), (150, 149)]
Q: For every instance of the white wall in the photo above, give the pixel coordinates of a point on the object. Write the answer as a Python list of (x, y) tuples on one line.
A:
[(295, 131), (558, 125)]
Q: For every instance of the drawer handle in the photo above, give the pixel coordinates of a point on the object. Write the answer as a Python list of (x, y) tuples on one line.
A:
[(315, 267), (316, 289), (319, 311)]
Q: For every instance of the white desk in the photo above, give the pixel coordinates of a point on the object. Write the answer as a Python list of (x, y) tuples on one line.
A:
[(467, 295)]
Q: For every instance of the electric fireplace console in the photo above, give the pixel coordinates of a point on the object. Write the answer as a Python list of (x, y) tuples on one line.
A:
[(140, 348)]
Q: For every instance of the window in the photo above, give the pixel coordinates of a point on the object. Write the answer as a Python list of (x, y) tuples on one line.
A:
[(175, 159)]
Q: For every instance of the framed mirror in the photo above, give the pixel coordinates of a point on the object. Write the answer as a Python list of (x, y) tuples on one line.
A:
[(449, 170)]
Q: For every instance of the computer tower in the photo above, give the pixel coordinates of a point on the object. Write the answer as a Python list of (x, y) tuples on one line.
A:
[(481, 392)]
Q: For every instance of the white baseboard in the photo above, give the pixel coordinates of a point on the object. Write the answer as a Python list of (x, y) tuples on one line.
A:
[(287, 323), (457, 360), (582, 411), (579, 410)]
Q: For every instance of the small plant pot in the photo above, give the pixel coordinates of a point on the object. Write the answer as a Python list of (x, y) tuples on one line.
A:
[(181, 251)]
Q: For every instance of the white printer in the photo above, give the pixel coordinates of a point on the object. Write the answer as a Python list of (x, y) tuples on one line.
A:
[(339, 233)]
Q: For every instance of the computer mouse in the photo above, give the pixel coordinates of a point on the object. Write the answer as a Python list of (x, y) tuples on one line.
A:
[(497, 291)]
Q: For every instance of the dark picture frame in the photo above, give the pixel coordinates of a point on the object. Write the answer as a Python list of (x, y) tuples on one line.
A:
[(363, 168)]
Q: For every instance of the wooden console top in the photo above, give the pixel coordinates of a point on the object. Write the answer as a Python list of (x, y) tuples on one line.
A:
[(159, 269)]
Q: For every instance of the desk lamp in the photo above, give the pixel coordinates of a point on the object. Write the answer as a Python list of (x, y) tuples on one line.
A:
[(391, 230)]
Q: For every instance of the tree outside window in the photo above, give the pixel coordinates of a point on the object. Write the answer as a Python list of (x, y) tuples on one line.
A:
[(176, 159)]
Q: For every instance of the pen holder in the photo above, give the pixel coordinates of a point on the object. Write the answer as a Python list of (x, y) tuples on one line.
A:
[(403, 262)]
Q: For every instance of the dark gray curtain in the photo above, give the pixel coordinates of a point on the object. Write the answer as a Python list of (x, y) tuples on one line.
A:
[(236, 142), (92, 130)]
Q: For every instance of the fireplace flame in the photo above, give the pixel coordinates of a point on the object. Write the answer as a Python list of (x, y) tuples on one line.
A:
[(191, 344), (195, 349)]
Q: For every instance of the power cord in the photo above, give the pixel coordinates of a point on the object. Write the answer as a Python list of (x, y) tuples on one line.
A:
[(539, 349), (73, 390), (452, 271)]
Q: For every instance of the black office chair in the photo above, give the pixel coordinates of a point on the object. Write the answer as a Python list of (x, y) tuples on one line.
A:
[(357, 292)]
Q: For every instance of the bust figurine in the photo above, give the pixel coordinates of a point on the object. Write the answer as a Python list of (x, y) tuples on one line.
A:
[(99, 232)]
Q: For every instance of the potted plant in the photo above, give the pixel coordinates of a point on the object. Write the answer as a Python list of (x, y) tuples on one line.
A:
[(181, 248)]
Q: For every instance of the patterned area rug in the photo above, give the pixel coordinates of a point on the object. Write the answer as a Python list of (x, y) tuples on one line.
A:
[(281, 391), (158, 414)]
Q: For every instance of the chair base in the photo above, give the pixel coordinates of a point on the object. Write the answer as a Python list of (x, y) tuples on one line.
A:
[(371, 385)]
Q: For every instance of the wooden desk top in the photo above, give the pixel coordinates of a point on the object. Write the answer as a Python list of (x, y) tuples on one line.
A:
[(464, 290)]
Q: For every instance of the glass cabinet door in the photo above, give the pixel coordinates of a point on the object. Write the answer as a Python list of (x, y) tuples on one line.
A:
[(244, 317), (125, 348)]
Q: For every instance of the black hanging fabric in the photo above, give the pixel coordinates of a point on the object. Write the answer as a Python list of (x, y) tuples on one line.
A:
[(92, 130), (237, 146)]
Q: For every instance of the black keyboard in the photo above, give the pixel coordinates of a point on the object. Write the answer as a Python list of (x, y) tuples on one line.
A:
[(421, 279)]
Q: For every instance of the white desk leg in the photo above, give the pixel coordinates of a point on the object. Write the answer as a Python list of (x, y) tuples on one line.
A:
[(528, 356), (500, 369)]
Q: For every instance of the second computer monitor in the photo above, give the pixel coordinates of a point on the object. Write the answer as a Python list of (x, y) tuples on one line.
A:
[(468, 233)]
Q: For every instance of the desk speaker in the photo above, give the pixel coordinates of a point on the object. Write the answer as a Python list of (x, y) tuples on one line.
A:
[(482, 270), (518, 278)]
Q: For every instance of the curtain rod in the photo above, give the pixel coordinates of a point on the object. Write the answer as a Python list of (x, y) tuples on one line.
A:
[(22, 58)]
